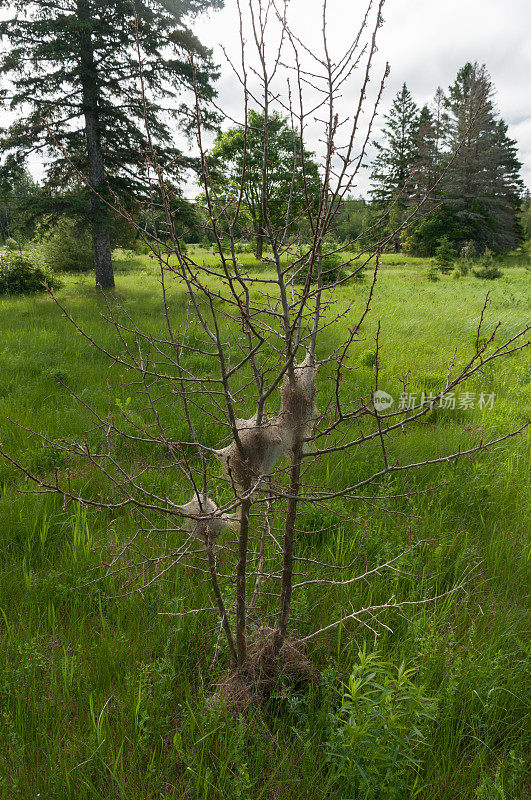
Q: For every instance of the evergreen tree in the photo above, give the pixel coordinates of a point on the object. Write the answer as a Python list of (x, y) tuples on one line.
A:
[(525, 216), (18, 191), (425, 166), (429, 156), (483, 185), (74, 63), (397, 153)]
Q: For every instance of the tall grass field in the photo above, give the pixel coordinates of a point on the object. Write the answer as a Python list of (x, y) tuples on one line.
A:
[(112, 698)]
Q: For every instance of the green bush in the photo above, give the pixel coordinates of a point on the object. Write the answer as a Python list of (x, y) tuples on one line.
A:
[(333, 268), (368, 358), (379, 735), (24, 272), (11, 243), (487, 273), (488, 270), (445, 254), (467, 255), (66, 246)]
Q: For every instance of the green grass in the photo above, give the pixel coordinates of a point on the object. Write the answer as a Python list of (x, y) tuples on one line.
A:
[(109, 699)]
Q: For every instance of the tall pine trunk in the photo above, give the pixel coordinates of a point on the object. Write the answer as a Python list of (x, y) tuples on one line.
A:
[(96, 173)]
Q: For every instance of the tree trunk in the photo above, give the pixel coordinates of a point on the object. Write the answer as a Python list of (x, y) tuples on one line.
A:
[(259, 249), (289, 535), (96, 173), (241, 572)]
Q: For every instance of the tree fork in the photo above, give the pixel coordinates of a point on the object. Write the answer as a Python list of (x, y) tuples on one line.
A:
[(99, 216)]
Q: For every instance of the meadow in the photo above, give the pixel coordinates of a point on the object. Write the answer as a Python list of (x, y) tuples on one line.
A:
[(104, 698)]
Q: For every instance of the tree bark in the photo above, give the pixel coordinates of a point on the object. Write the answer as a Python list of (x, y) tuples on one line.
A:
[(259, 248), (219, 600), (241, 574), (287, 566), (96, 172)]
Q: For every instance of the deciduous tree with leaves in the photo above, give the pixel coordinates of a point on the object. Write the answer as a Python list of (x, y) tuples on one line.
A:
[(239, 151)]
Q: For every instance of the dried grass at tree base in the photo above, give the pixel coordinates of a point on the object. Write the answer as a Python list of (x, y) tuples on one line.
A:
[(251, 684)]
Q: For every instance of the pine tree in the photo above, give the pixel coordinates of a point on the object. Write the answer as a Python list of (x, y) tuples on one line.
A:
[(424, 170), (483, 185), (429, 156), (74, 63), (396, 154)]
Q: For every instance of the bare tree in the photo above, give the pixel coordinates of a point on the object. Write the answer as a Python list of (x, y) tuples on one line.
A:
[(260, 339)]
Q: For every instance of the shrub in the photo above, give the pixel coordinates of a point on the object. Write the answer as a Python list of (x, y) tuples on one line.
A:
[(67, 246), (379, 733), (333, 268), (11, 243), (488, 273), (488, 269), (368, 358), (457, 272), (244, 247), (468, 252), (24, 272), (467, 255), (432, 274), (445, 254)]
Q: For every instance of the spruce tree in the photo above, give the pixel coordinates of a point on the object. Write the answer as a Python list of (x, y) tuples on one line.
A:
[(396, 154), (429, 155), (483, 185), (426, 161), (73, 69), (525, 216), (18, 192)]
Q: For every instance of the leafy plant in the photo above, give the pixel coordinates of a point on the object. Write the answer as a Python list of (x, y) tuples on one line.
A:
[(466, 257), (24, 272), (333, 267), (488, 270), (487, 273), (67, 246), (380, 732)]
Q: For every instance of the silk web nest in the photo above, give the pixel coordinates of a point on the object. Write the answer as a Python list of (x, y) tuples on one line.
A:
[(265, 443), (262, 446), (204, 520)]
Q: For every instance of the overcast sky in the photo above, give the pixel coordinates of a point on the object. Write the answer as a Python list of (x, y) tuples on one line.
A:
[(425, 42)]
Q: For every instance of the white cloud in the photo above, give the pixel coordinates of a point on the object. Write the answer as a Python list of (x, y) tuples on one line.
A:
[(425, 41)]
